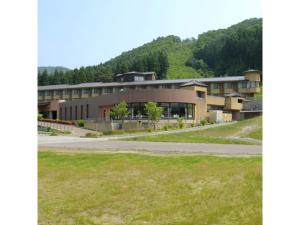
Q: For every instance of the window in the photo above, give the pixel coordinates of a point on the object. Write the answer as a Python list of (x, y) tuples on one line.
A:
[(216, 86), (87, 111), (71, 113), (86, 91), (75, 91), (76, 112), (139, 78), (167, 86), (240, 100), (60, 113), (190, 111), (65, 113), (81, 112), (201, 94)]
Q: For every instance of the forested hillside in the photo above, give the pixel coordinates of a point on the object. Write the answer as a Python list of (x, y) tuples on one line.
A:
[(51, 69), (215, 53), (229, 51)]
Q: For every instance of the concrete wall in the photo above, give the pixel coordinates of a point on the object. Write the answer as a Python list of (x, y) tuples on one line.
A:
[(215, 100)]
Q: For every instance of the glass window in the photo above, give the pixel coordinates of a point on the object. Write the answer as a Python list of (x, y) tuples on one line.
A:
[(165, 112), (190, 111), (139, 78)]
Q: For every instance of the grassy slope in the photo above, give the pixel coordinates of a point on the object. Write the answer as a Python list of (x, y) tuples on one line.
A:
[(250, 128), (139, 189), (177, 58)]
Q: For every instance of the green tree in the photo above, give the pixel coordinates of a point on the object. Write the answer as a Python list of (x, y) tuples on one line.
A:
[(153, 112), (120, 111), (44, 80)]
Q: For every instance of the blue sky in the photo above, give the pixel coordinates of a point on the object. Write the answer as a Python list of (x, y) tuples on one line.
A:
[(76, 33)]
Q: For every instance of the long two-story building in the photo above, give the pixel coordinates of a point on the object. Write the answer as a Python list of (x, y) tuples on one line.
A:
[(193, 99)]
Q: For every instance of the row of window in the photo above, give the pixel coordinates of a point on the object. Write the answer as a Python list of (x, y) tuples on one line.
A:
[(99, 91), (170, 110), (109, 90), (235, 85)]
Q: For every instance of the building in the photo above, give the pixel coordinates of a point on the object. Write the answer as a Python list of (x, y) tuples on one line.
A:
[(193, 99)]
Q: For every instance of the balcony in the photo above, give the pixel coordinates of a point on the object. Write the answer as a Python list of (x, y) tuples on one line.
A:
[(56, 97), (85, 95), (75, 96), (215, 91), (249, 90), (48, 97), (229, 90)]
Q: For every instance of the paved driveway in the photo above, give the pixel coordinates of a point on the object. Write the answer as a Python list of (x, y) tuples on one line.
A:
[(158, 147)]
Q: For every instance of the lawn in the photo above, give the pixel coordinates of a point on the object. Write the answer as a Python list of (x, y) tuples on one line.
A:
[(116, 188), (229, 134)]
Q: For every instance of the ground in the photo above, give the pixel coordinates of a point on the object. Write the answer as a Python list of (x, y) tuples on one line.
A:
[(121, 188), (243, 132)]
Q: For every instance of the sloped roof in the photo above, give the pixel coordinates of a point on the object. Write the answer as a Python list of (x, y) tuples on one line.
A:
[(137, 83), (134, 72), (193, 83), (234, 94)]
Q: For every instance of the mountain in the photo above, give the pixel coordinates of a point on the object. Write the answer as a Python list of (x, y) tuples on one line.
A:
[(51, 69), (220, 52)]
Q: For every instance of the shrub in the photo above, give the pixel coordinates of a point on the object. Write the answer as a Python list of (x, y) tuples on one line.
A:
[(203, 122), (40, 116), (165, 127), (53, 133), (149, 130), (80, 123), (93, 135), (48, 129), (113, 132), (180, 122), (192, 124), (66, 132)]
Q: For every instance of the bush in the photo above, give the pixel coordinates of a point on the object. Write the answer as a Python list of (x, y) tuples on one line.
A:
[(165, 127), (93, 135), (149, 130), (48, 129), (80, 123), (113, 132), (203, 122), (180, 122), (66, 132), (40, 116), (53, 133), (192, 124)]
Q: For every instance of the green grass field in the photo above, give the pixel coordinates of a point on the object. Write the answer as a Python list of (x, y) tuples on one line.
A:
[(229, 134), (108, 188)]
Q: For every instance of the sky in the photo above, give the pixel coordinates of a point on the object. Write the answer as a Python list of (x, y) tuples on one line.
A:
[(74, 33)]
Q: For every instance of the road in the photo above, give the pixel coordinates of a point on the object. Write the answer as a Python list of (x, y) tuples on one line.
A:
[(62, 142)]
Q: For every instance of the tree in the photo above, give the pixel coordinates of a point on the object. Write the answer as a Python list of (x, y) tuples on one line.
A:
[(44, 78), (153, 112), (120, 111), (164, 65)]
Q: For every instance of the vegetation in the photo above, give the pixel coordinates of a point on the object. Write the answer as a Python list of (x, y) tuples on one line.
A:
[(153, 112), (229, 134), (51, 69), (77, 188), (215, 53), (120, 111), (80, 123), (93, 134), (180, 122), (228, 51)]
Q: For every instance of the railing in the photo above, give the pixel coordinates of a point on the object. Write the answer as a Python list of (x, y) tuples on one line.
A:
[(56, 126), (251, 105), (143, 118)]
